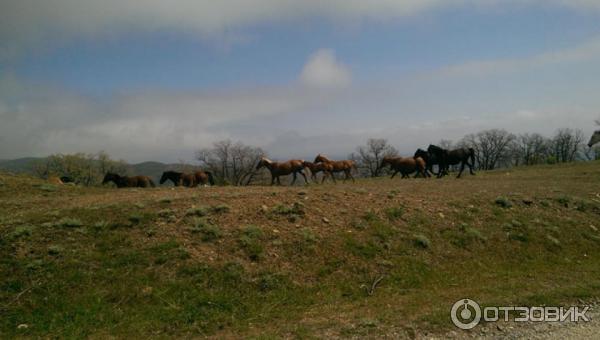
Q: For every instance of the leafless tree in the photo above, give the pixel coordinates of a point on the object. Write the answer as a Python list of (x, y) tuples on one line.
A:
[(530, 149), (565, 144), (231, 163), (84, 169), (491, 147), (369, 156)]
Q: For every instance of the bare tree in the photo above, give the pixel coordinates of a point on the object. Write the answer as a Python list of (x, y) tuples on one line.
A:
[(530, 149), (369, 156), (491, 147), (231, 163), (85, 169), (565, 144)]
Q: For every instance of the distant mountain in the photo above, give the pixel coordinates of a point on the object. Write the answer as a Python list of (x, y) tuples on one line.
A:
[(26, 165)]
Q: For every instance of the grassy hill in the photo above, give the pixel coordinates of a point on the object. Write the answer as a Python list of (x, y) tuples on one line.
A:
[(377, 258), (19, 165)]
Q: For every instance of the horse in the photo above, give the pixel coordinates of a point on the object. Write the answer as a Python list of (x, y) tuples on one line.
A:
[(128, 182), (430, 161), (345, 166), (294, 166), (453, 157), (204, 177), (178, 178), (315, 168), (594, 139), (405, 165)]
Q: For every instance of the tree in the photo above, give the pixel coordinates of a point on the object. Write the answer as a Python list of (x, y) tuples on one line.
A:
[(230, 163), (491, 147), (565, 144), (530, 149), (84, 169), (369, 156)]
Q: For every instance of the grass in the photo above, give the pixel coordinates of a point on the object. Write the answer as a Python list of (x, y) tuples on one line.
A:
[(94, 262)]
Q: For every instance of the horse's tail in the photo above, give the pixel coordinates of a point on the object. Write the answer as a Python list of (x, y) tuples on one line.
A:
[(211, 179)]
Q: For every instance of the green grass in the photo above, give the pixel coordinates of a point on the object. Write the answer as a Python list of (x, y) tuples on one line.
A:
[(94, 262)]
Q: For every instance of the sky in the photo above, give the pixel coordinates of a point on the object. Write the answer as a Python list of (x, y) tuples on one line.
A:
[(158, 80)]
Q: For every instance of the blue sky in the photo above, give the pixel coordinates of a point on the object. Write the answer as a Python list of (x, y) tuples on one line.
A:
[(145, 81)]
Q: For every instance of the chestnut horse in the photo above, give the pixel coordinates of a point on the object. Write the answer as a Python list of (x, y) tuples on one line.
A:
[(315, 168), (338, 166), (294, 166), (128, 182), (405, 165)]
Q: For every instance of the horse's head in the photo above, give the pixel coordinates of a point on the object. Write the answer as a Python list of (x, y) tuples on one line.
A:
[(165, 176), (321, 158), (110, 177), (421, 153), (595, 138), (263, 162)]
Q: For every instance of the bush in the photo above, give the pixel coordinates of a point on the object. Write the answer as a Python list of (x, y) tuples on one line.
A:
[(210, 232), (222, 208), (199, 212), (250, 240), (394, 213), (422, 241), (503, 202)]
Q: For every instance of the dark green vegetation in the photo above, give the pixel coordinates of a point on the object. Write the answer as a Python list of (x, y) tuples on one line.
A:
[(348, 259)]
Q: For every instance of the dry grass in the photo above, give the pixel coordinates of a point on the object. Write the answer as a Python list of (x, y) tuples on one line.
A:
[(214, 261)]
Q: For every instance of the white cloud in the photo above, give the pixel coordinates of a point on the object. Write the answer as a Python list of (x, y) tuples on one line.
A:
[(322, 70)]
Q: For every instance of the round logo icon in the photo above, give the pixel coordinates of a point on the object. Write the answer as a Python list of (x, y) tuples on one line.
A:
[(465, 314)]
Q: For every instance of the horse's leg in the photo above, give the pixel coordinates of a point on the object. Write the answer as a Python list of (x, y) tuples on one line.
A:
[(471, 166), (349, 175), (394, 174), (278, 180), (462, 167), (333, 177), (304, 175), (272, 180), (294, 180)]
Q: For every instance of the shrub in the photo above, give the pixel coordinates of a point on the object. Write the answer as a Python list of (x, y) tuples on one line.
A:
[(21, 231), (394, 213), (250, 240), (221, 208), (199, 212), (210, 232), (135, 218), (503, 202), (422, 241)]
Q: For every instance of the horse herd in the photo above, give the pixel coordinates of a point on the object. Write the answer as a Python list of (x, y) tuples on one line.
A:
[(421, 163)]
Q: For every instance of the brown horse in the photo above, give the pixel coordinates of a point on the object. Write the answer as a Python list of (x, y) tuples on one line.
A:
[(204, 177), (345, 166), (315, 168), (405, 165), (128, 182), (277, 169)]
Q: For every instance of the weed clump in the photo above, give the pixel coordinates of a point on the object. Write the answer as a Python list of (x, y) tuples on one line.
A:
[(198, 212), (21, 231), (421, 241), (250, 240), (209, 232), (394, 213), (69, 223), (220, 209), (503, 202)]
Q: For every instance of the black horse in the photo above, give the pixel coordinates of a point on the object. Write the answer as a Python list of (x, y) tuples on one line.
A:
[(453, 157), (430, 161)]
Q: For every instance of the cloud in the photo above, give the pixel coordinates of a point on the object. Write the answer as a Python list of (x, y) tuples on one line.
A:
[(322, 70), (27, 23), (582, 52)]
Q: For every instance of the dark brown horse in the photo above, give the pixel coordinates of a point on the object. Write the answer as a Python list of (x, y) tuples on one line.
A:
[(405, 165), (345, 166), (188, 180), (294, 166), (128, 182), (315, 168)]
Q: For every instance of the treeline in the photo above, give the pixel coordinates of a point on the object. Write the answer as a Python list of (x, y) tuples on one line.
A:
[(494, 148), (80, 168)]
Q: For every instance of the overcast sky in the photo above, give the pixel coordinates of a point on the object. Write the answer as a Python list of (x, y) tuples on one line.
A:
[(157, 80)]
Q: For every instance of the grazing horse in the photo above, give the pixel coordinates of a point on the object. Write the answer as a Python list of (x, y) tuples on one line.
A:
[(405, 165), (594, 139), (294, 166), (430, 161), (128, 182), (315, 168), (338, 166), (452, 157)]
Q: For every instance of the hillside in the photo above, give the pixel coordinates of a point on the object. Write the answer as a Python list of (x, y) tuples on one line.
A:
[(376, 258)]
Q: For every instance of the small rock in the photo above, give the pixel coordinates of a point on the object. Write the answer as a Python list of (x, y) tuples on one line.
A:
[(23, 326), (498, 327), (276, 231), (264, 208), (527, 201), (593, 227), (442, 215), (146, 291), (325, 219)]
